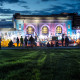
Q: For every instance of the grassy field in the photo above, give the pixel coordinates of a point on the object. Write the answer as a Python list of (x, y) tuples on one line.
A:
[(41, 64)]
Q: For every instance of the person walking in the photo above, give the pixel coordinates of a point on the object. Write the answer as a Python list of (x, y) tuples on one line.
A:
[(17, 41), (21, 41)]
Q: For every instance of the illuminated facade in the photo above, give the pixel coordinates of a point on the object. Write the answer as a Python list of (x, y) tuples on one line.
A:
[(42, 26)]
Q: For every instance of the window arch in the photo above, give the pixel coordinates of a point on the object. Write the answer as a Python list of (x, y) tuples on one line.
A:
[(30, 30), (58, 29), (45, 30)]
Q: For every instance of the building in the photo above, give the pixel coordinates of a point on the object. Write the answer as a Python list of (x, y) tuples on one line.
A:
[(44, 26)]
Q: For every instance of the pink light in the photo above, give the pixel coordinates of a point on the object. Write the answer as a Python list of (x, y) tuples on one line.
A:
[(24, 26)]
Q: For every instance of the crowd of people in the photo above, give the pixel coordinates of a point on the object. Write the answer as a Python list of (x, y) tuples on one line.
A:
[(33, 42), (63, 40), (22, 41)]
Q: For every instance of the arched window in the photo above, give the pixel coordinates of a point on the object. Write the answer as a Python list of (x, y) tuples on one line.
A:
[(45, 30), (30, 30), (58, 30)]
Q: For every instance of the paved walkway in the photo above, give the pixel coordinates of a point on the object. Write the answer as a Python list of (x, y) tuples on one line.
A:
[(5, 48)]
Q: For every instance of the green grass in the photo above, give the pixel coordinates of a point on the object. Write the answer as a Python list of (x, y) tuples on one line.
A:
[(51, 64)]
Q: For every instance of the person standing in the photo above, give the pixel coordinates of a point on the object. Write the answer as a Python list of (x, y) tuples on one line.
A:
[(10, 44), (62, 40), (31, 39), (57, 44), (0, 42), (66, 41), (25, 40), (21, 41), (52, 45), (48, 44), (17, 41)]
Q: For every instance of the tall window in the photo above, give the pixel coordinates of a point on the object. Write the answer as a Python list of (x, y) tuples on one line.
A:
[(30, 30), (45, 30), (68, 26), (58, 30), (19, 26)]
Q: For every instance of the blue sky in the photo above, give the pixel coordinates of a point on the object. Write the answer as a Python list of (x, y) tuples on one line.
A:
[(37, 7)]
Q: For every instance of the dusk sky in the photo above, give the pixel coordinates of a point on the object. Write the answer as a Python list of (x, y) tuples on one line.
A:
[(37, 7)]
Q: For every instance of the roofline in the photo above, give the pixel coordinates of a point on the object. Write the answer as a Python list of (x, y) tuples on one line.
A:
[(18, 15)]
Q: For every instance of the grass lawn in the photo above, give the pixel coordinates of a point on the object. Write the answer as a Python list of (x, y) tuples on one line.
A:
[(50, 64)]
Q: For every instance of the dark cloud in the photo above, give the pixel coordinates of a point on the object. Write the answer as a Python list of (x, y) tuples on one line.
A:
[(41, 12), (22, 2), (57, 7), (12, 1), (74, 0), (57, 10), (75, 7), (48, 11), (48, 0), (38, 2), (6, 11), (1, 4), (69, 5), (9, 11), (26, 7), (45, 0), (9, 1)]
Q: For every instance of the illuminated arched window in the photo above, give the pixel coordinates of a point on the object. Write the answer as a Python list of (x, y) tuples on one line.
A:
[(58, 29), (45, 30), (30, 30)]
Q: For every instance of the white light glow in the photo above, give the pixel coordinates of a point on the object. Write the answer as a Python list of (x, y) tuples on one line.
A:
[(41, 37), (60, 37), (77, 35)]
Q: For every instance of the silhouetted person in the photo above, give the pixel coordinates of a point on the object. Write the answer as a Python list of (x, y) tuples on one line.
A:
[(31, 39), (62, 40), (52, 45), (48, 44), (0, 42), (66, 41), (25, 40), (10, 44), (17, 40), (40, 44), (21, 41), (57, 44)]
